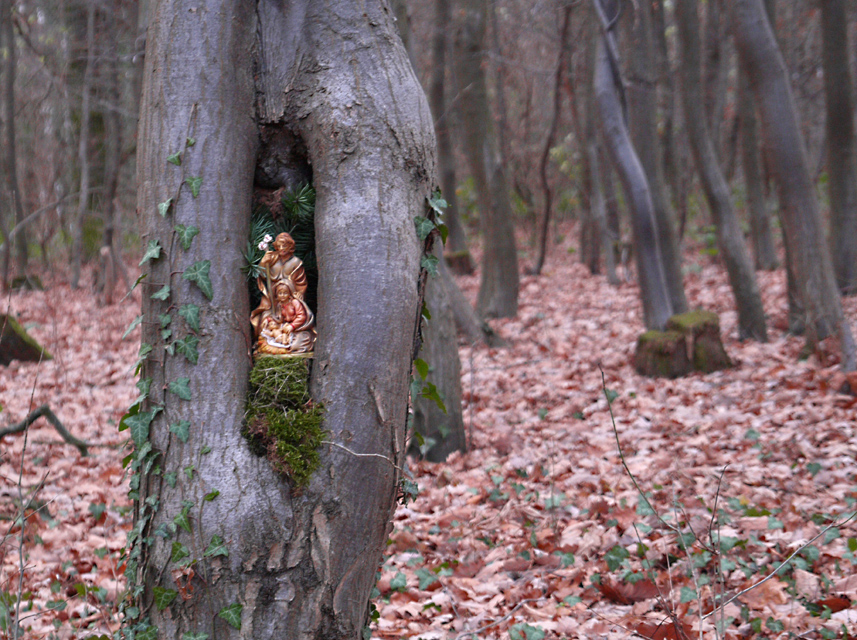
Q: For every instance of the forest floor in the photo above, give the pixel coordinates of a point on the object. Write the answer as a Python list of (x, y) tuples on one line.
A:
[(538, 531)]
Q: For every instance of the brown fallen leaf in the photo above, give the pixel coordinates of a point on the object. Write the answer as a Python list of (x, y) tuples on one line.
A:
[(665, 630), (835, 603), (624, 593)]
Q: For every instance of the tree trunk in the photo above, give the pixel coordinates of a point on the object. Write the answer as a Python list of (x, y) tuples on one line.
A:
[(657, 305), (11, 159), (716, 66), (730, 239), (456, 252), (442, 431), (642, 121), (498, 286), (549, 139), (764, 248), (840, 144), (83, 149), (766, 70), (300, 564)]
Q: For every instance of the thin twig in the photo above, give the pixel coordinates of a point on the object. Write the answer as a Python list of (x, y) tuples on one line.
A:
[(45, 411), (363, 455), (464, 634)]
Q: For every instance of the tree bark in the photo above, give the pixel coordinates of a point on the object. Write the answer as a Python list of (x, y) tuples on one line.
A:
[(456, 250), (764, 250), (498, 286), (301, 564), (730, 239), (642, 121), (11, 155), (83, 149), (766, 70), (716, 66), (657, 305), (840, 144), (440, 351)]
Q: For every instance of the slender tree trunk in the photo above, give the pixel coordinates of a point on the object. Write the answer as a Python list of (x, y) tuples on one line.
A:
[(499, 86), (716, 66), (83, 148), (730, 239), (443, 430), (764, 248), (840, 144), (657, 305), (300, 564), (11, 154), (456, 252), (766, 70), (498, 287), (562, 55), (642, 121)]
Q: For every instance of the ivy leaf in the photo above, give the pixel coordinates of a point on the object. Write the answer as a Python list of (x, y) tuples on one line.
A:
[(185, 235), (165, 319), (182, 521), (179, 551), (162, 294), (164, 597), (187, 347), (143, 386), (232, 615), (216, 548), (430, 392), (134, 324), (208, 497), (195, 636), (198, 274), (424, 227), (194, 183), (190, 313), (139, 426), (181, 388), (181, 429), (190, 143), (164, 207), (166, 333), (429, 263), (153, 251), (171, 478), (437, 202), (148, 633), (422, 368), (444, 232), (175, 158), (145, 350)]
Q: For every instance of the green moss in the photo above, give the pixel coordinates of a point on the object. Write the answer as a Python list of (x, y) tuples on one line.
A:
[(661, 340), (282, 422), (685, 322)]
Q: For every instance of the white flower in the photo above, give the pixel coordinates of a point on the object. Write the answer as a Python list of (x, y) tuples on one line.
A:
[(263, 246)]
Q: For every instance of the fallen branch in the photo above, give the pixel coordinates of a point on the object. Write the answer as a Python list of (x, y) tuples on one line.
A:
[(45, 411)]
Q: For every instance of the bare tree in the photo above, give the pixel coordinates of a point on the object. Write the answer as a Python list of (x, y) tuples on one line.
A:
[(730, 239), (816, 285), (299, 565)]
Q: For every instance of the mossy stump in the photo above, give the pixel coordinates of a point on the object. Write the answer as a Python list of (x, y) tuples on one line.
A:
[(691, 342), (281, 421), (17, 344)]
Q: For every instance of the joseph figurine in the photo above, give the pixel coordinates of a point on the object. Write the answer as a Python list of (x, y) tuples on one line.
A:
[(279, 265)]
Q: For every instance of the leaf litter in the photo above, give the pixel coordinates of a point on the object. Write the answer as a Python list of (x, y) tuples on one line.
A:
[(537, 531)]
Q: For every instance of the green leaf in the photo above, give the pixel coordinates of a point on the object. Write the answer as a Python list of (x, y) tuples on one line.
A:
[(430, 392), (164, 207), (610, 395), (153, 251), (195, 636), (208, 497), (232, 615), (162, 294), (175, 158), (194, 183), (97, 509), (181, 520), (181, 388), (437, 202), (179, 551), (422, 368), (166, 333), (399, 582), (189, 143), (165, 319), (216, 548), (148, 633), (424, 227), (190, 313), (171, 479), (134, 324), (187, 347), (427, 578), (181, 429), (616, 556), (775, 523), (429, 263), (164, 597), (198, 274), (444, 232), (56, 605), (139, 426), (185, 235), (688, 594)]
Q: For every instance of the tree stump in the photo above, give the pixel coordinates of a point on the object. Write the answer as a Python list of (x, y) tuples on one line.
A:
[(691, 342), (16, 344)]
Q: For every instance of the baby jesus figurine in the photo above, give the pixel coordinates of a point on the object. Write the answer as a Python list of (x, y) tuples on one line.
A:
[(287, 328)]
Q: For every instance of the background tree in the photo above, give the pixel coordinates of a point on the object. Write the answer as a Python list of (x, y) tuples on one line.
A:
[(301, 566)]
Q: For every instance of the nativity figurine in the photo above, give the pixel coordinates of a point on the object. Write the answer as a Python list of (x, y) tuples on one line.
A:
[(283, 323)]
